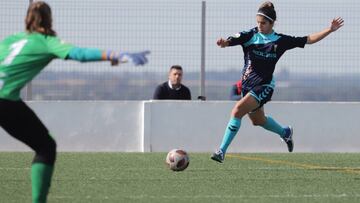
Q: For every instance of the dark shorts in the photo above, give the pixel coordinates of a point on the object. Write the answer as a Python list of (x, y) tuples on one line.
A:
[(261, 93)]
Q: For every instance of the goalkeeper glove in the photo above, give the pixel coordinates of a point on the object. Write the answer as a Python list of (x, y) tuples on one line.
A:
[(138, 58)]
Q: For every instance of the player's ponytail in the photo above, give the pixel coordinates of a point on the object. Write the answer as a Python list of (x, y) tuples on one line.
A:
[(39, 19), (267, 10)]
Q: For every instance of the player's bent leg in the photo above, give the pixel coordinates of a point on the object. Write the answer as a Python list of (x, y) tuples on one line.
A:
[(23, 124), (267, 122), (242, 107), (43, 164), (286, 133)]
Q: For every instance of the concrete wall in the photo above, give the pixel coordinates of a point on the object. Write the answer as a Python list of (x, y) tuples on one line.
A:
[(196, 126), (87, 126)]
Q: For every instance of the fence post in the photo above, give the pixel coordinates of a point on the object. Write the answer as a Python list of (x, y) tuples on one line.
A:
[(202, 65)]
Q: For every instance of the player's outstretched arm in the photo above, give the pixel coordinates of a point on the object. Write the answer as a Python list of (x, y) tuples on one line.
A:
[(335, 25), (90, 54)]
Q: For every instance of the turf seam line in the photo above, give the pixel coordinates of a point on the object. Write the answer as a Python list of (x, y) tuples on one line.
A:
[(298, 165)]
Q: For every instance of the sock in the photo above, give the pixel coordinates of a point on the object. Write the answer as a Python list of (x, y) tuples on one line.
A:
[(40, 181), (230, 132), (273, 126)]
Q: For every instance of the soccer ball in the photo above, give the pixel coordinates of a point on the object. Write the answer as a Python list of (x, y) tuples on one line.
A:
[(177, 160)]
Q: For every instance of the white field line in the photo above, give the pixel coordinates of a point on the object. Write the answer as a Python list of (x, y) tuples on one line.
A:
[(14, 169), (138, 197)]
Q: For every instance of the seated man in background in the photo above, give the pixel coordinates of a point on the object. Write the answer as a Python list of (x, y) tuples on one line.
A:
[(173, 89), (235, 93)]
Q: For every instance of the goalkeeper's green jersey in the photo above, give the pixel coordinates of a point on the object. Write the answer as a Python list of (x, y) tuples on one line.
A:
[(23, 56)]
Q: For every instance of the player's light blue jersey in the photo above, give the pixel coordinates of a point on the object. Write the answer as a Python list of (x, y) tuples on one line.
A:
[(261, 53)]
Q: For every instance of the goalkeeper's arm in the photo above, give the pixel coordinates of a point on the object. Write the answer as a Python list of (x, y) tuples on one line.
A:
[(93, 54), (86, 54)]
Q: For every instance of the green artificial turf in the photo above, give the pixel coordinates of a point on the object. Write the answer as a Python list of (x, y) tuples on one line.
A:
[(144, 177)]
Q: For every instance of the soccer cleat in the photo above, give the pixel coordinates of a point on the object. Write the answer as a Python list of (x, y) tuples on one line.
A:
[(288, 138), (218, 156)]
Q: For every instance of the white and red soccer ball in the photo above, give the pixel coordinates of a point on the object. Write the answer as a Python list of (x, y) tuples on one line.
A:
[(177, 160)]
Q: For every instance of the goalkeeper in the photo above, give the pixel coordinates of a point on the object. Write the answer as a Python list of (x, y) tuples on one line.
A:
[(22, 57)]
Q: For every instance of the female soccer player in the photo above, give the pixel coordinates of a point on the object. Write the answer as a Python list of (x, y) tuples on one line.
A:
[(262, 49), (22, 57)]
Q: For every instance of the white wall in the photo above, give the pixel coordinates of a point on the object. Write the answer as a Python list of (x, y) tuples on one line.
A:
[(199, 126), (87, 126), (196, 126)]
